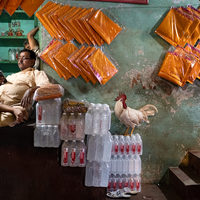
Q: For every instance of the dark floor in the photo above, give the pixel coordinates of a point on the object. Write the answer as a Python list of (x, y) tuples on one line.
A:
[(153, 192)]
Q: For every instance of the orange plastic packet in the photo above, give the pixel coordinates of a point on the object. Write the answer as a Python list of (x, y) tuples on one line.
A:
[(30, 6), (195, 69), (92, 77), (80, 28), (65, 28), (49, 21), (11, 6), (196, 53), (77, 61), (101, 66), (190, 35), (40, 16), (80, 19), (94, 34), (2, 4), (73, 57), (173, 26), (74, 27), (54, 17), (68, 25), (62, 58), (104, 26), (175, 68)]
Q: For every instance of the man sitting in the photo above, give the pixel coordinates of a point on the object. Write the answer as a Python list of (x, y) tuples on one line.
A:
[(16, 95)]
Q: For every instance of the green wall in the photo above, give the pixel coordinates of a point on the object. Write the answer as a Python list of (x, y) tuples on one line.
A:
[(139, 53)]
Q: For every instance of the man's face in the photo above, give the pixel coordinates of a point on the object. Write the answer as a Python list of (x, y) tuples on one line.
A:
[(1, 80), (25, 61)]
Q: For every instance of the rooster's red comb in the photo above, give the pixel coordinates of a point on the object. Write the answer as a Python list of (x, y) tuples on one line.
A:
[(121, 96)]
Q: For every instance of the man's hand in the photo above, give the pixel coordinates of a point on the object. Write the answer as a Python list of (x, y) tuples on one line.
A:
[(20, 114)]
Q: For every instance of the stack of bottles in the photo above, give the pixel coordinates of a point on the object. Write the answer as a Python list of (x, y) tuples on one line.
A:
[(99, 141), (72, 125), (125, 164), (48, 113)]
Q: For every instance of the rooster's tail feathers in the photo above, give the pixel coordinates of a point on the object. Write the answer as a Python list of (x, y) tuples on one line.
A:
[(149, 109)]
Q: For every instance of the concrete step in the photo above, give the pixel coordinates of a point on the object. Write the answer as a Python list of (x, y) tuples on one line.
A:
[(185, 182), (194, 160)]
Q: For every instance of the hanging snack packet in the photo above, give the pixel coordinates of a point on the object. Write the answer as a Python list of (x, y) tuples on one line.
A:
[(103, 69), (104, 26), (30, 6), (50, 91), (173, 26)]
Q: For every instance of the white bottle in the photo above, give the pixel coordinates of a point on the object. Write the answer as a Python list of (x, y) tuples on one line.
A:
[(121, 145), (73, 153), (56, 136), (127, 144), (115, 145), (37, 134), (80, 123), (133, 145), (107, 147), (97, 174), (91, 148), (96, 120), (89, 121), (72, 126), (139, 146), (104, 120), (89, 174), (104, 174), (65, 153), (81, 154)]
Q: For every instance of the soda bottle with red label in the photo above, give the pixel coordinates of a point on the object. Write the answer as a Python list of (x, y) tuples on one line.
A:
[(73, 154), (65, 153)]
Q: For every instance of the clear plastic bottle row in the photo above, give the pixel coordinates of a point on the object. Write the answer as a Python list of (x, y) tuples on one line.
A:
[(125, 145), (72, 126), (99, 147), (125, 164), (73, 153), (133, 182), (97, 174), (48, 111), (46, 136), (97, 119)]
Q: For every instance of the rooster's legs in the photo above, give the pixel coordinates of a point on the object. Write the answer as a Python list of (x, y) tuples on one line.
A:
[(125, 134), (132, 131)]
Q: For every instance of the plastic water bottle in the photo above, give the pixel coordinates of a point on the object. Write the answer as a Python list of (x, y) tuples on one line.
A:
[(125, 164), (56, 136), (92, 143), (109, 188), (65, 153), (137, 161), (89, 174), (80, 122), (39, 111), (99, 148), (96, 120), (115, 144), (13, 55), (126, 181), (44, 136), (63, 127), (139, 147), (37, 134), (107, 147), (89, 121), (10, 55), (104, 174), (120, 165), (131, 183), (131, 164), (127, 144), (81, 154), (104, 120), (73, 154), (50, 136), (97, 173), (109, 115), (120, 182), (121, 144), (114, 183), (72, 125), (114, 164), (137, 181), (133, 145)]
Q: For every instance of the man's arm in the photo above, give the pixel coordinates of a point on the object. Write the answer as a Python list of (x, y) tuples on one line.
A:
[(31, 39)]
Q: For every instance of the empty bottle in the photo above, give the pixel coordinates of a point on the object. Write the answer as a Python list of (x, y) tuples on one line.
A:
[(81, 154), (37, 134), (72, 126), (80, 122), (139, 146), (121, 145), (65, 153), (73, 152), (89, 174)]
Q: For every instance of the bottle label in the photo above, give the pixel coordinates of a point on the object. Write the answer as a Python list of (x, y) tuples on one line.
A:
[(65, 156), (72, 128), (116, 149), (137, 185), (132, 185), (139, 148), (122, 149), (73, 155), (39, 114), (82, 153), (127, 149), (133, 148)]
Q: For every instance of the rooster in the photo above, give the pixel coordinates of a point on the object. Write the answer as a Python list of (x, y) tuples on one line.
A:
[(131, 117)]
